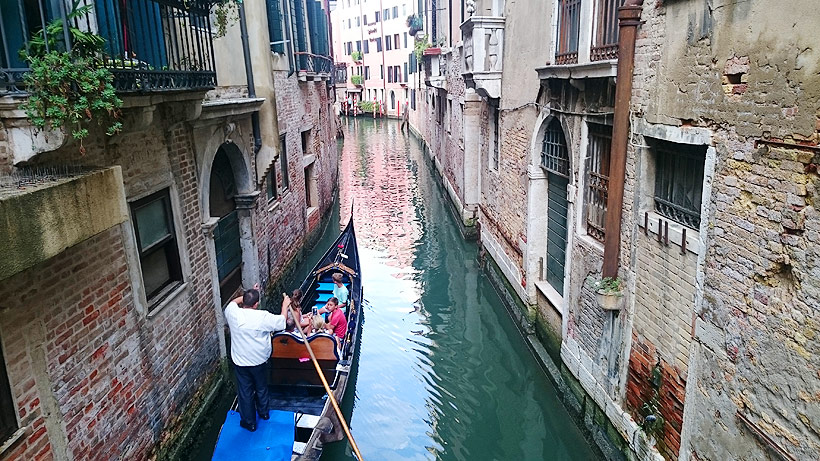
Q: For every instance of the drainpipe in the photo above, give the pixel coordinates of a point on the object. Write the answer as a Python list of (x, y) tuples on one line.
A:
[(243, 29), (629, 17)]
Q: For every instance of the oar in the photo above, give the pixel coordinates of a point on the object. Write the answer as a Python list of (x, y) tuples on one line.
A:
[(327, 387)]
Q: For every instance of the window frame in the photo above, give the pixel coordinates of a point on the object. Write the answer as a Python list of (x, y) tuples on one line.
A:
[(271, 187), (671, 161), (283, 162), (596, 188), (167, 244)]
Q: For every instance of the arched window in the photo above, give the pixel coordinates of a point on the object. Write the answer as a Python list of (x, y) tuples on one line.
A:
[(392, 99)]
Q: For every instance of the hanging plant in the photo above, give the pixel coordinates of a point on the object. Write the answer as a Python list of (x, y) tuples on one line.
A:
[(415, 23), (226, 14), (421, 44), (356, 55), (69, 89), (356, 79)]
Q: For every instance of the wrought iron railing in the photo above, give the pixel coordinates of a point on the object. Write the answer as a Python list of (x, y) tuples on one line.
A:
[(313, 63), (150, 45), (605, 45), (597, 193), (569, 25)]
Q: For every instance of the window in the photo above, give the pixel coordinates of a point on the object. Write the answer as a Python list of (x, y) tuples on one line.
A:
[(366, 47), (597, 180), (569, 15), (378, 44), (364, 19), (494, 138), (448, 115), (305, 142), (381, 72), (405, 71), (390, 74), (388, 44), (348, 48), (275, 29), (395, 12), (404, 10), (283, 163), (679, 181), (358, 23), (367, 73), (377, 17), (396, 41), (273, 193), (605, 44), (349, 24), (8, 420), (358, 45), (156, 244), (405, 39), (385, 15), (413, 99)]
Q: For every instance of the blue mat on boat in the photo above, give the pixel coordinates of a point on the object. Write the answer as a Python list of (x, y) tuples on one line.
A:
[(273, 439), (323, 297), (326, 287)]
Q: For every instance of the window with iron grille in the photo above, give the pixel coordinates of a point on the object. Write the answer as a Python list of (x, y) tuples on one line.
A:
[(494, 135), (569, 24), (157, 244), (679, 181), (554, 154), (605, 45), (8, 420), (597, 180)]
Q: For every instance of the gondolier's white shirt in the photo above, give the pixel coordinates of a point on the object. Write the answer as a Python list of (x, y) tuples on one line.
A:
[(250, 334)]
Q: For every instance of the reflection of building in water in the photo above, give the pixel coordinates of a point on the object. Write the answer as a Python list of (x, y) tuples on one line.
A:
[(383, 197)]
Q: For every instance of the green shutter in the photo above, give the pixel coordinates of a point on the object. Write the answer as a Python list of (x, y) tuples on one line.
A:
[(275, 25)]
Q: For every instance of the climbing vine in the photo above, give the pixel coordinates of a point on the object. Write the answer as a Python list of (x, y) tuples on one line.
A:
[(226, 14), (68, 89)]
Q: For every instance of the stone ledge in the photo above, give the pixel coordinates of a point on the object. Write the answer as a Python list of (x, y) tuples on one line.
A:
[(41, 222)]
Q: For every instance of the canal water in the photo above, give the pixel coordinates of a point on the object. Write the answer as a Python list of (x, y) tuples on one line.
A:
[(443, 373)]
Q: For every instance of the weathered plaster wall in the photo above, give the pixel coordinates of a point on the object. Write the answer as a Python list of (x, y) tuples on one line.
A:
[(748, 73)]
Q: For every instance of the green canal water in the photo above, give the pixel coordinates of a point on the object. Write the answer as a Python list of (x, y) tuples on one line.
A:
[(443, 372)]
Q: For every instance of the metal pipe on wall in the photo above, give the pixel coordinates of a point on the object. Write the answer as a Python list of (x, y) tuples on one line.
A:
[(243, 29), (629, 18)]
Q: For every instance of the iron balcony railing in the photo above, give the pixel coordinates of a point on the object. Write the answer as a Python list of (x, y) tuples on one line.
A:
[(313, 63), (150, 45), (605, 45)]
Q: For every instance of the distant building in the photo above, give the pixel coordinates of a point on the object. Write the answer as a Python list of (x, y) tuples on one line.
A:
[(372, 42), (115, 263)]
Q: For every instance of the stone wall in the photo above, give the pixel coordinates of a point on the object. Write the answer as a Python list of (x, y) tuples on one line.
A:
[(93, 373), (750, 386)]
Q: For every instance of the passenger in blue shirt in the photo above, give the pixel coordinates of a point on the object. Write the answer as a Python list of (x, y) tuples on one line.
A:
[(340, 291)]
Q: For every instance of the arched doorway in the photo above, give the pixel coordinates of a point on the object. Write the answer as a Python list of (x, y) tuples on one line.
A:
[(227, 242), (555, 162), (392, 100)]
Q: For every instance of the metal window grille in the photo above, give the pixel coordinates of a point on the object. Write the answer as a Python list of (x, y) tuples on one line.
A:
[(606, 33), (679, 181), (150, 45), (569, 24), (554, 154), (598, 148)]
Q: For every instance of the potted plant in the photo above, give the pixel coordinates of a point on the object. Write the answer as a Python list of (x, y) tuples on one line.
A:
[(609, 293), (356, 55), (356, 80), (415, 23)]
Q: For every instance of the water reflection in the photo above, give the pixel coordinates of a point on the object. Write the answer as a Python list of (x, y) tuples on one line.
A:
[(443, 373)]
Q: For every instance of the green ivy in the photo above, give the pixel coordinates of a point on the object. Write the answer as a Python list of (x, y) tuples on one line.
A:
[(226, 13), (69, 89), (421, 44), (356, 79), (356, 55)]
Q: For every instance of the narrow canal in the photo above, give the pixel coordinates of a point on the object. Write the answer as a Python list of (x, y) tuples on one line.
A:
[(443, 372)]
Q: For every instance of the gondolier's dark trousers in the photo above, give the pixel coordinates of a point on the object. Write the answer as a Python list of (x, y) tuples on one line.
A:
[(252, 390)]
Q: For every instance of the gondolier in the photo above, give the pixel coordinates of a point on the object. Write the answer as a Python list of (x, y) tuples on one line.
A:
[(250, 350)]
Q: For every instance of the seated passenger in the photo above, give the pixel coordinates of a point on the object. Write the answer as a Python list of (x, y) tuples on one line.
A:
[(340, 291), (336, 321), (295, 305), (317, 325)]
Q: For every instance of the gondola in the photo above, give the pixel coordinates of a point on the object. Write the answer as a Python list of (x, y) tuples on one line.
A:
[(298, 402)]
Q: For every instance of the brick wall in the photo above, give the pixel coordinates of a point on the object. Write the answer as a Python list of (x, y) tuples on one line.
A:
[(282, 225), (93, 376)]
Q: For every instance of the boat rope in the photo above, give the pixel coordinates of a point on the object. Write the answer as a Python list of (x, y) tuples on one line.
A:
[(327, 388)]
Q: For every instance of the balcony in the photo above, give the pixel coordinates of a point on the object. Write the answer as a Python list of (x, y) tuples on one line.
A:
[(483, 54), (150, 46), (586, 40), (340, 75), (435, 68), (312, 67)]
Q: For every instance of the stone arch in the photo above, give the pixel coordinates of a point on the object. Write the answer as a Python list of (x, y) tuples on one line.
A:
[(239, 162)]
